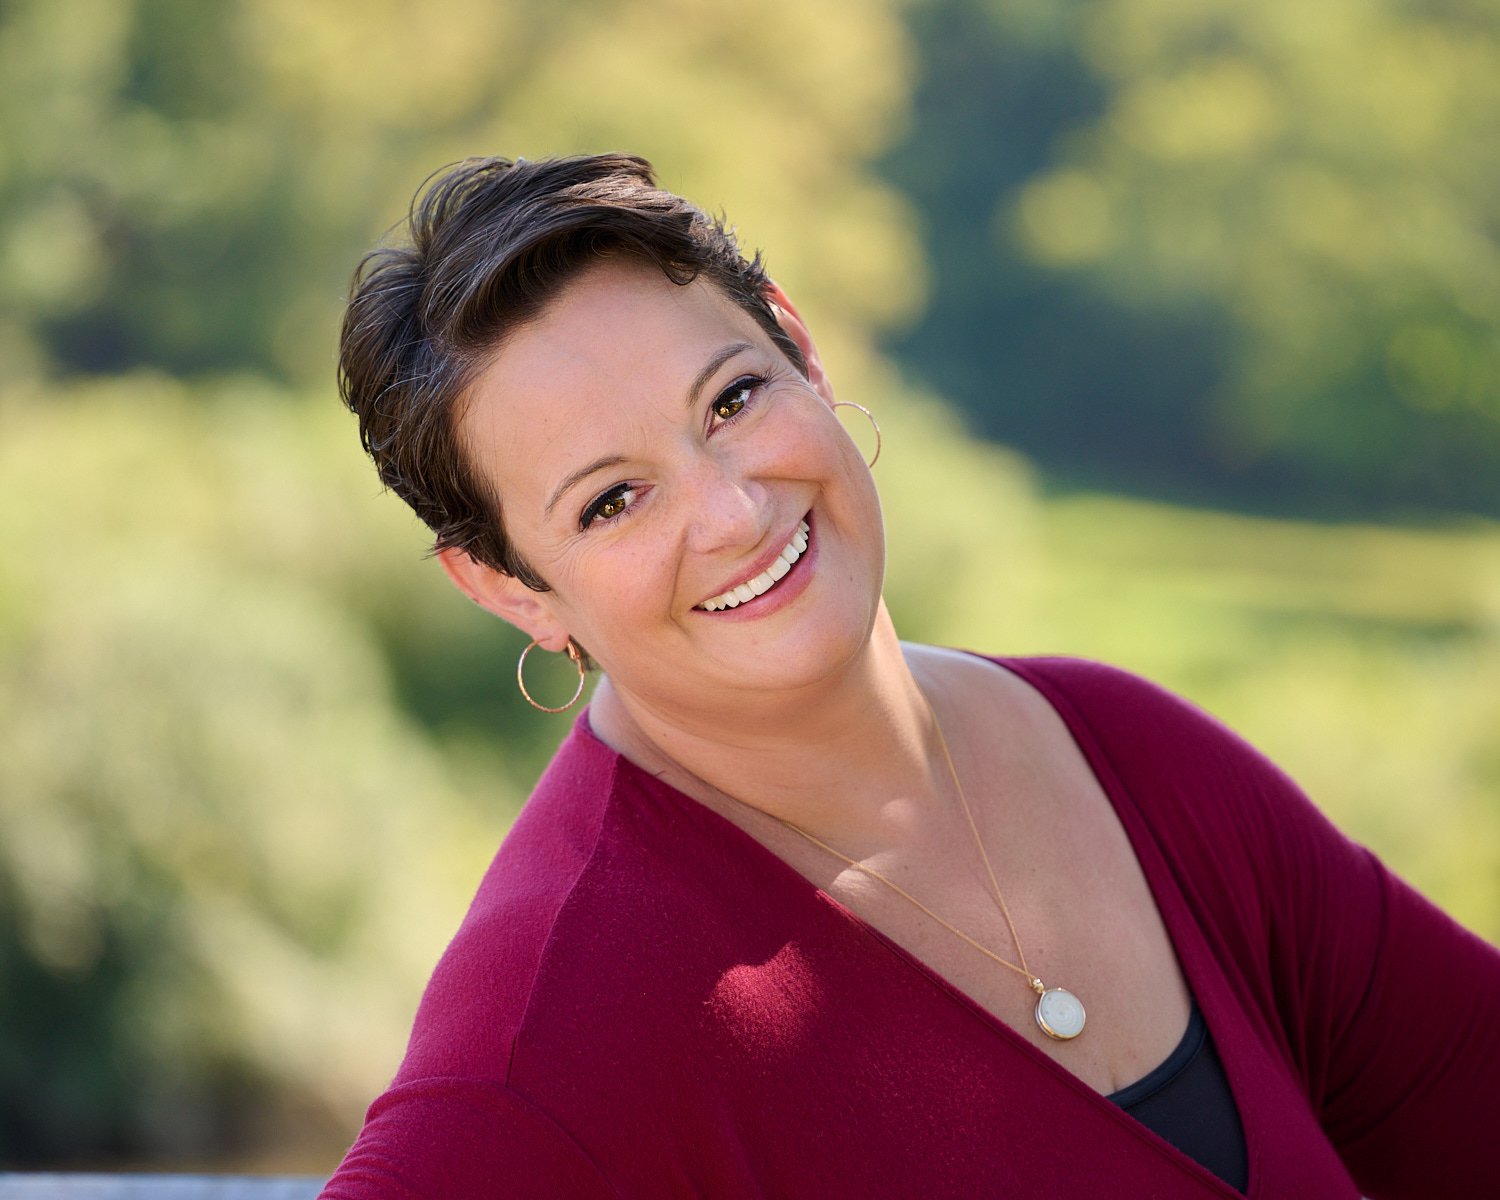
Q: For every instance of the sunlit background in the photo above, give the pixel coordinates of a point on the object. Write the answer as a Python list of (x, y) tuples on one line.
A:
[(1182, 319)]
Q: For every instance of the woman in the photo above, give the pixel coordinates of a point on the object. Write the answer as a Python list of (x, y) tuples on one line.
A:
[(800, 910)]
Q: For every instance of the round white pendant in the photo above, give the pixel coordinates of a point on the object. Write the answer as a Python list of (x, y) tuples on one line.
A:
[(1060, 1014)]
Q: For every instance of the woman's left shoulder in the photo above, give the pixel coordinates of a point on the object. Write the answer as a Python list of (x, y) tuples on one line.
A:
[(1101, 693), (1104, 707), (1153, 751)]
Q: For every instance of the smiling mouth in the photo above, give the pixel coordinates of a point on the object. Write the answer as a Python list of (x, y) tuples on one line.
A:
[(767, 579)]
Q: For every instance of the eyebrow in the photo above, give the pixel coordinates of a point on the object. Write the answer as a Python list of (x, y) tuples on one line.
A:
[(716, 360), (721, 357), (609, 460)]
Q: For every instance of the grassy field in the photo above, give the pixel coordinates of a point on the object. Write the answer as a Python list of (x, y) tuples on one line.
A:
[(1365, 660)]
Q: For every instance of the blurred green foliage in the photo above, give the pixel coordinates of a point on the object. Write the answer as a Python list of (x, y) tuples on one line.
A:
[(1227, 251), (256, 752), (220, 829), (187, 186)]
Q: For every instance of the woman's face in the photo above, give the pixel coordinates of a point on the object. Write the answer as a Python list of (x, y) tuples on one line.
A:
[(653, 451)]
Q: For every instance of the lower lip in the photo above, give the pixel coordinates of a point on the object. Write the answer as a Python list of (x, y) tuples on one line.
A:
[(787, 589)]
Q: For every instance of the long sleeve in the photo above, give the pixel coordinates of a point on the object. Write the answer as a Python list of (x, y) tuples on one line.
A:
[(463, 1140), (1385, 1009), (1410, 1091), (1391, 1008)]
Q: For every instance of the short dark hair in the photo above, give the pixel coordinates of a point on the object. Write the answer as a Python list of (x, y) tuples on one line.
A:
[(492, 241)]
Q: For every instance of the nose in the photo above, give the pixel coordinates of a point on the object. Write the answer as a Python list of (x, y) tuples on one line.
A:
[(725, 510)]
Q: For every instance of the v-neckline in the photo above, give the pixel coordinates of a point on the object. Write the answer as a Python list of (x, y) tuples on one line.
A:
[(1206, 987), (1192, 958)]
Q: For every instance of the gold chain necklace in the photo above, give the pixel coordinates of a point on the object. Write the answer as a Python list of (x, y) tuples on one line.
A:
[(1059, 1013)]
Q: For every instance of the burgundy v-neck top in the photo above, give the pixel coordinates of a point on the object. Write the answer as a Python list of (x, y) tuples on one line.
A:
[(645, 1002)]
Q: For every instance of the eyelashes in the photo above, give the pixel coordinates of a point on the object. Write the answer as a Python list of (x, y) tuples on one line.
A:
[(734, 399), (608, 505), (728, 407)]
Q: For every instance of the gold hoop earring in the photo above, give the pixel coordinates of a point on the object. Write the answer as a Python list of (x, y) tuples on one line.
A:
[(577, 658), (874, 424)]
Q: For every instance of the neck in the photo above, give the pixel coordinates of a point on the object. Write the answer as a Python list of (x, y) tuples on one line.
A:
[(847, 759)]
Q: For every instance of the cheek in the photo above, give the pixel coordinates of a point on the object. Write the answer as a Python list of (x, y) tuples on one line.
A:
[(801, 437), (618, 587), (826, 451)]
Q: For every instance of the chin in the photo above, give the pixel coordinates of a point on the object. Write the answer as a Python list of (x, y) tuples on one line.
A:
[(817, 650)]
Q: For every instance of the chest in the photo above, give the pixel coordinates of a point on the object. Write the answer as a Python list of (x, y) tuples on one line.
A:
[(871, 1024), (1082, 917)]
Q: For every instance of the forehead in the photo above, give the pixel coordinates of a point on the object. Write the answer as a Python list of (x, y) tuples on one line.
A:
[(621, 342), (618, 315)]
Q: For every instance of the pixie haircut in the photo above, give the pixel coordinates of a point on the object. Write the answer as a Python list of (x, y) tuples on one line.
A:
[(492, 242)]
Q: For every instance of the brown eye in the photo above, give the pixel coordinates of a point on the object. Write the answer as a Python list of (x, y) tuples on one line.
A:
[(733, 399), (609, 505)]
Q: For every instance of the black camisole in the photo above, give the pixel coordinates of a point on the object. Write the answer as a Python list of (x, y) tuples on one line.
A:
[(1186, 1101)]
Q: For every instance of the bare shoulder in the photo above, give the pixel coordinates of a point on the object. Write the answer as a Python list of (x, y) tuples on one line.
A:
[(989, 697), (1010, 734)]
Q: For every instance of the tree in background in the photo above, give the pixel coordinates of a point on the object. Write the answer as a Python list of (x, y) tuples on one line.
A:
[(186, 186), (1246, 253)]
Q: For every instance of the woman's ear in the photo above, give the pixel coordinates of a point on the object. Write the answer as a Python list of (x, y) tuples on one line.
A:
[(505, 596), (791, 320)]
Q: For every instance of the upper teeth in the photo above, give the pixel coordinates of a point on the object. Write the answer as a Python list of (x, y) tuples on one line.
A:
[(767, 579)]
